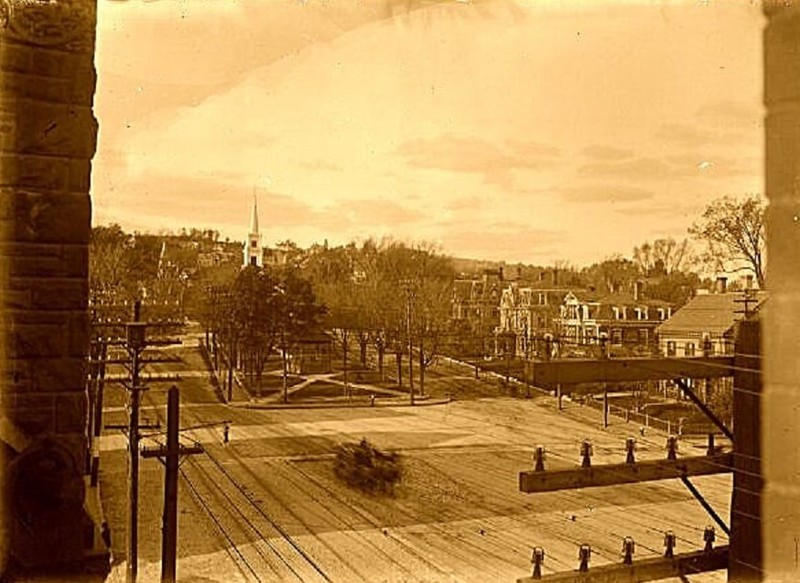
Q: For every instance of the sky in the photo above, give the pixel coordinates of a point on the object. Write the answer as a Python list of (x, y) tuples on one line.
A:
[(522, 131)]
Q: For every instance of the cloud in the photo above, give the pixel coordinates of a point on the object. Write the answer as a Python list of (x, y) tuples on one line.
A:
[(320, 164), (731, 112), (527, 148), (640, 168), (502, 240), (472, 155), (604, 193), (370, 212), (715, 166), (603, 152), (685, 135)]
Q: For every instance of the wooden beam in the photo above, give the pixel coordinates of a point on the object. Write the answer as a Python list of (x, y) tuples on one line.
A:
[(644, 570), (624, 473), (579, 370)]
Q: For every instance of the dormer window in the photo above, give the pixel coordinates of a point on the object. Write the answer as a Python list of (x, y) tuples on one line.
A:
[(661, 313)]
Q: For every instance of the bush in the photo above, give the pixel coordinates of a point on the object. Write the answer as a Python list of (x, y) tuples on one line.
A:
[(362, 466)]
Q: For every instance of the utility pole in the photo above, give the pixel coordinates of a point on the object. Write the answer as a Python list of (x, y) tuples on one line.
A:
[(135, 344), (344, 361), (170, 457), (283, 362), (409, 293)]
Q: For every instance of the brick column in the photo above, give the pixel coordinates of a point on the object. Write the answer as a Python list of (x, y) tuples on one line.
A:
[(781, 334), (47, 141)]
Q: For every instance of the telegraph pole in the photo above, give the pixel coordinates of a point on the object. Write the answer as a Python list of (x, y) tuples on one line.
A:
[(171, 458), (410, 344), (135, 344)]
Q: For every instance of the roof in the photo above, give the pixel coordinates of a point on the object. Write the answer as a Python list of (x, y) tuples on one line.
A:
[(712, 313), (617, 299), (254, 217)]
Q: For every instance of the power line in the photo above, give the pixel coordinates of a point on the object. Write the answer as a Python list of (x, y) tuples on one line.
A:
[(261, 511), (251, 525), (217, 523)]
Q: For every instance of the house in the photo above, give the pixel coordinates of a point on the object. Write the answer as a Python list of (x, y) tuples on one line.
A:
[(527, 313), (627, 319), (476, 310), (708, 318)]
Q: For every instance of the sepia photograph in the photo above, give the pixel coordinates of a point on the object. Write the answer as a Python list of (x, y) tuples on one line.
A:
[(399, 291)]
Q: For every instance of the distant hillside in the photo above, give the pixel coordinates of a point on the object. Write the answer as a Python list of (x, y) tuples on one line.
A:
[(511, 271), (474, 266)]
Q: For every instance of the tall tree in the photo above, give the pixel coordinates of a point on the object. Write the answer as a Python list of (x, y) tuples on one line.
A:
[(613, 274), (733, 231), (662, 256)]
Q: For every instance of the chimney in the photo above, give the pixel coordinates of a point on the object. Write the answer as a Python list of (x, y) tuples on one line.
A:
[(748, 281), (722, 284), (555, 277), (638, 289)]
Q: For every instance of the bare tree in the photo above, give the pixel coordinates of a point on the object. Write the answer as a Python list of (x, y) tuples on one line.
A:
[(662, 256), (733, 230)]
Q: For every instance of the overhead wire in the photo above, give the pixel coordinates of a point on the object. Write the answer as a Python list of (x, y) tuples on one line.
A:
[(219, 526)]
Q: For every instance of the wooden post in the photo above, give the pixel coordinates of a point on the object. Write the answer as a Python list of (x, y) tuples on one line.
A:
[(132, 567), (558, 396), (169, 533), (605, 406), (171, 458)]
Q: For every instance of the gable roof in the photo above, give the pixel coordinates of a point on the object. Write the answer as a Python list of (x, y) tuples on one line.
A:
[(712, 313)]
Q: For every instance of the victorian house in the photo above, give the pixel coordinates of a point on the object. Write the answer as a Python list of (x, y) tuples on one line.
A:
[(527, 314), (627, 322), (476, 311)]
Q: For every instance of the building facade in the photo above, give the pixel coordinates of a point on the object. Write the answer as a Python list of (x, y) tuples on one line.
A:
[(627, 320), (527, 314), (707, 322), (476, 311)]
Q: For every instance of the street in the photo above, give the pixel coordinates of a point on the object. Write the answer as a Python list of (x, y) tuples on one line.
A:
[(267, 506)]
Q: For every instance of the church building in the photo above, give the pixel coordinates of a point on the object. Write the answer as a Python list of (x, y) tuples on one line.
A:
[(253, 251), (256, 253)]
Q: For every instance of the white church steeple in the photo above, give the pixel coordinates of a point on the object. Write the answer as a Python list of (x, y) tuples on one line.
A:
[(253, 253)]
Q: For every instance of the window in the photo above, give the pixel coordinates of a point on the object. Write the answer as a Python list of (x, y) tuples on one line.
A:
[(671, 348), (254, 243), (661, 313), (644, 336), (688, 350), (542, 299), (616, 336), (616, 312)]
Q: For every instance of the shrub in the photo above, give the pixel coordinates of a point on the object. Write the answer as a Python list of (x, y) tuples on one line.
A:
[(362, 466)]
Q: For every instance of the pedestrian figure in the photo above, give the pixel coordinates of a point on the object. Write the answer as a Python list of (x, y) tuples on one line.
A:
[(225, 433), (371, 400)]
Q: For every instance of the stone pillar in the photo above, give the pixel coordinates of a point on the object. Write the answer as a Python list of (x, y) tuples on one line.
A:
[(47, 141), (781, 333)]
